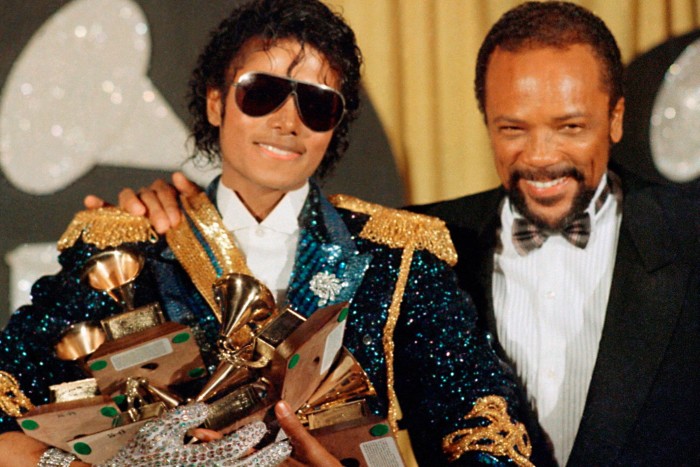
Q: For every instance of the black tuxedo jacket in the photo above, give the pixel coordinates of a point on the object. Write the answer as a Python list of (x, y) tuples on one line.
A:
[(643, 404)]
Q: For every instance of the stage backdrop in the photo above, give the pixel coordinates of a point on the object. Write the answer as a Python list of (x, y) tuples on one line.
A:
[(92, 98)]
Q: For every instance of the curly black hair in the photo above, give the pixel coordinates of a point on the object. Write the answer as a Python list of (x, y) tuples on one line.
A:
[(309, 22), (552, 24)]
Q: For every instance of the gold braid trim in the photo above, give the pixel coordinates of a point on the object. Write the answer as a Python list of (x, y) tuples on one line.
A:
[(106, 227), (192, 255), (501, 437), (12, 400), (393, 414), (399, 229)]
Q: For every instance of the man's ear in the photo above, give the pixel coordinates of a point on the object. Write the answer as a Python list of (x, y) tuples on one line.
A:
[(214, 106), (616, 118)]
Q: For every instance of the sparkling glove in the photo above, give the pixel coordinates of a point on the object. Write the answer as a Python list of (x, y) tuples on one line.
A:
[(160, 442)]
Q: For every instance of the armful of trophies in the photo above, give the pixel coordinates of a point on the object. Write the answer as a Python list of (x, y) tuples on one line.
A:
[(138, 366)]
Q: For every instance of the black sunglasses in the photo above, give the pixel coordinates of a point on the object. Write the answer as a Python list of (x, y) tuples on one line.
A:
[(321, 108)]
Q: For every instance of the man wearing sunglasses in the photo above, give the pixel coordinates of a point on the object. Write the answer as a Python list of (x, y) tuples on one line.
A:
[(272, 98), (601, 324)]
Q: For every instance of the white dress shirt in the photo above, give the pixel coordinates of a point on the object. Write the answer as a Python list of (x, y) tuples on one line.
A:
[(269, 247), (550, 309)]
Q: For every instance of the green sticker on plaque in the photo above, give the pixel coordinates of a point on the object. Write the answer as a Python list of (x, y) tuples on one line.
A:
[(109, 412), (98, 365), (379, 430), (343, 314), (82, 449), (293, 361), (182, 337), (119, 398), (29, 425), (196, 372)]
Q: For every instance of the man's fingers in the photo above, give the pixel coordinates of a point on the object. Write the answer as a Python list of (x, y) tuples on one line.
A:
[(94, 202), (306, 448), (206, 435), (184, 186), (130, 202), (165, 199)]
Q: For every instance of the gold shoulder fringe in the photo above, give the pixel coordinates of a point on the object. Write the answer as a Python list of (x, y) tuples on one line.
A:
[(398, 229), (12, 400), (106, 227), (501, 437)]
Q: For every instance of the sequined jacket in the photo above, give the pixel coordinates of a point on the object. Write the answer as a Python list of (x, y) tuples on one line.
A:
[(409, 326)]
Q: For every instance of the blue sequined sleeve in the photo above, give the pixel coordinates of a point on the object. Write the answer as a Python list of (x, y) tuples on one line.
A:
[(27, 342), (443, 362)]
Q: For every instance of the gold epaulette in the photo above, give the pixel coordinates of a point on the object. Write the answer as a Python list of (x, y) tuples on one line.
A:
[(106, 227), (398, 229), (501, 437)]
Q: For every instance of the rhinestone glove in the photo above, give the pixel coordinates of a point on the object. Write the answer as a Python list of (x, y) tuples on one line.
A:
[(160, 443)]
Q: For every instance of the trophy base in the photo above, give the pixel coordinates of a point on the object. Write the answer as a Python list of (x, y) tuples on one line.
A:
[(166, 354), (57, 423), (244, 405)]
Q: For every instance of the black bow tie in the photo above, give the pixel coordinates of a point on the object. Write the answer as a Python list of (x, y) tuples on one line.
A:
[(527, 236)]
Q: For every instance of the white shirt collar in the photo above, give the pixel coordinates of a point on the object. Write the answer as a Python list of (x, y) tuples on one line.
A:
[(283, 218)]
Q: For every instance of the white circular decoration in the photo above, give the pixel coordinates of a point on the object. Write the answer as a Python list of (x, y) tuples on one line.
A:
[(675, 119), (79, 95)]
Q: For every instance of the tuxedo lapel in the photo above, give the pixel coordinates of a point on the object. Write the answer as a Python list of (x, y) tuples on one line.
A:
[(488, 242), (645, 300), (328, 268), (476, 240)]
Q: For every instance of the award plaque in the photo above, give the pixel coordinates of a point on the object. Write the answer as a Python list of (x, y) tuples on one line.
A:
[(138, 341)]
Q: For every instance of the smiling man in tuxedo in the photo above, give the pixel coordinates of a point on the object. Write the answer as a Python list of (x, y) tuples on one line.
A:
[(586, 277)]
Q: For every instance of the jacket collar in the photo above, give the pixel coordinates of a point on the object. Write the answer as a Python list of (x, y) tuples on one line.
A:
[(328, 268)]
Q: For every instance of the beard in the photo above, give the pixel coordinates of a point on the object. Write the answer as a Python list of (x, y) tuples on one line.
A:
[(580, 203)]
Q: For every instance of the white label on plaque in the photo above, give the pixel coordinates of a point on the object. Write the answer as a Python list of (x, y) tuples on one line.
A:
[(333, 343), (381, 453), (142, 354)]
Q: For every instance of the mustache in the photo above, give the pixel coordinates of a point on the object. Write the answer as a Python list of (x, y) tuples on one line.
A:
[(544, 174)]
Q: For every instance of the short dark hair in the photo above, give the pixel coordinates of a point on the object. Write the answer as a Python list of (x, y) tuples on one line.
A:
[(309, 22), (552, 24)]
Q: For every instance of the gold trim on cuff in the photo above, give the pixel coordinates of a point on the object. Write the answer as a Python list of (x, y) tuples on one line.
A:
[(12, 400), (501, 437)]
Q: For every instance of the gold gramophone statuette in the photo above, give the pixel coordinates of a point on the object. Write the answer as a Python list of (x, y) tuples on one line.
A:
[(139, 341), (265, 354), (114, 272), (246, 306), (341, 397), (79, 341)]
